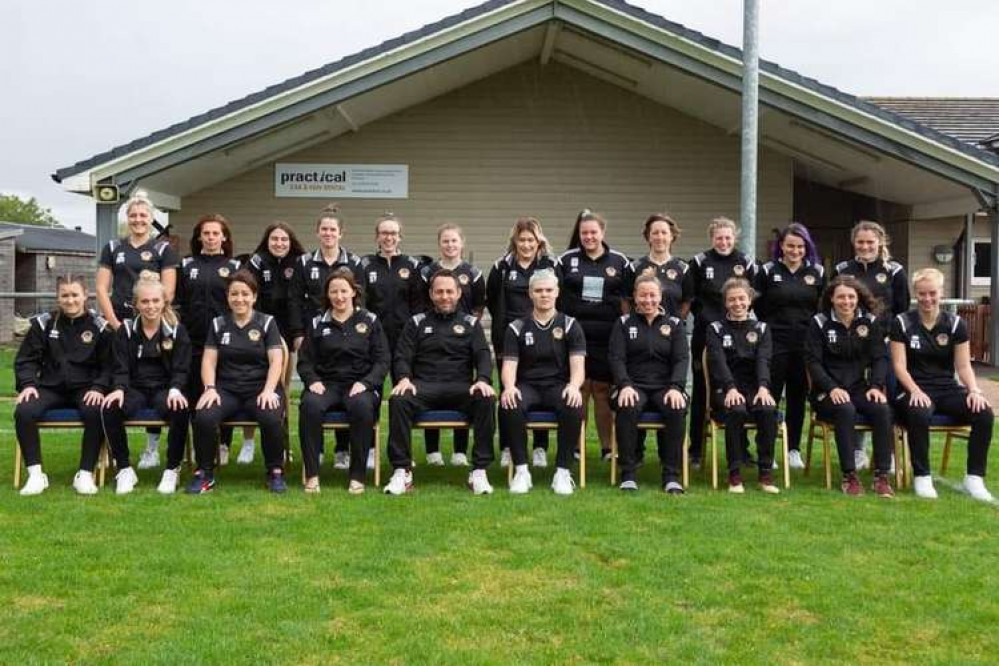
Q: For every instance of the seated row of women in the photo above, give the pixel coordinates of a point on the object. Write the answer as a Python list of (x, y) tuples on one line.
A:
[(71, 357)]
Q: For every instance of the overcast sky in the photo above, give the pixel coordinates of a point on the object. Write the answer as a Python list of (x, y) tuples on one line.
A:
[(81, 77)]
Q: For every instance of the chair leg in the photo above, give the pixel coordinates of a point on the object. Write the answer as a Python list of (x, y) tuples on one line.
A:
[(784, 463), (899, 470), (826, 456), (808, 447), (102, 464), (714, 457), (582, 456), (907, 455), (509, 468), (613, 454), (378, 455), (17, 464), (945, 459), (685, 457)]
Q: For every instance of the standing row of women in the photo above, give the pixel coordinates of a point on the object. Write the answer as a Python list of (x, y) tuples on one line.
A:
[(597, 285)]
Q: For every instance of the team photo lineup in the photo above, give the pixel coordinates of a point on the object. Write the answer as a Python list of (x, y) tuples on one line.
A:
[(204, 347)]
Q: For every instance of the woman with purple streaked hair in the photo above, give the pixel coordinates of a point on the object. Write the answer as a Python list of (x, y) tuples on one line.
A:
[(788, 290)]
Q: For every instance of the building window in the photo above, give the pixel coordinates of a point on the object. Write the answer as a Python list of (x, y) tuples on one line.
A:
[(981, 263)]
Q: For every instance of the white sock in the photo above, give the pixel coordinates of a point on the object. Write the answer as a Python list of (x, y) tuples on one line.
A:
[(521, 468), (34, 470), (248, 442), (152, 441)]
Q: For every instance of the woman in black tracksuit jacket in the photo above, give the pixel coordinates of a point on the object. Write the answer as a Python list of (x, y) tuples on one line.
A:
[(711, 270), (152, 362), (343, 361), (649, 358), (739, 352), (787, 296), (848, 363), (64, 361)]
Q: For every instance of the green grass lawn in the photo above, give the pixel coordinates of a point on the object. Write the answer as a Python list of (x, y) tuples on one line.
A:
[(443, 577)]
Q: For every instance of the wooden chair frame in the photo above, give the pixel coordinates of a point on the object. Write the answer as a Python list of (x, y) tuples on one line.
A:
[(711, 428), (651, 426), (952, 432), (329, 425), (103, 459)]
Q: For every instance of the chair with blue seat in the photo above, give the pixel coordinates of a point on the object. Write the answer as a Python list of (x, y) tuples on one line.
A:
[(549, 421), (713, 426), (337, 420), (649, 421), (940, 424), (63, 418)]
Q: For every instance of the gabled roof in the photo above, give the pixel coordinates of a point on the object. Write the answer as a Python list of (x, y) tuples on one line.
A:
[(34, 238), (790, 77), (970, 119)]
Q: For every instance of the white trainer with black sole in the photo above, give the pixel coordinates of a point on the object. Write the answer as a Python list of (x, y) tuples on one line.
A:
[(400, 483), (478, 482)]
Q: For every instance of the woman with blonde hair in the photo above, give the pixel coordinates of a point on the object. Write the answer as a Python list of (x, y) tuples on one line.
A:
[(508, 298), (152, 363), (928, 345)]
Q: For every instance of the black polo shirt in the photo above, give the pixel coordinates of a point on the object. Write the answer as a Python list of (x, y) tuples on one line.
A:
[(127, 262), (242, 352), (675, 279), (787, 300), (542, 351), (847, 358), (929, 354), (345, 352), (886, 280), (648, 356), (592, 291), (710, 272)]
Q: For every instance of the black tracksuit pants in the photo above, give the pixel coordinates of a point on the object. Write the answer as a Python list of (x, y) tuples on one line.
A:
[(270, 421), (27, 415), (787, 377), (735, 419), (670, 444), (513, 422), (438, 395), (843, 418), (137, 400), (953, 404), (699, 397), (362, 410)]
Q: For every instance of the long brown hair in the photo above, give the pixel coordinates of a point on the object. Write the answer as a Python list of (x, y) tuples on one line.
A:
[(865, 299), (295, 248), (347, 275), (585, 215), (196, 233)]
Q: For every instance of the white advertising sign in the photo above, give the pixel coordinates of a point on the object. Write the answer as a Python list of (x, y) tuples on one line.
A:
[(347, 181)]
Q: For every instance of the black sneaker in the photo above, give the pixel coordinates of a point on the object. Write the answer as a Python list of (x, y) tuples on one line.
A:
[(201, 483), (275, 482)]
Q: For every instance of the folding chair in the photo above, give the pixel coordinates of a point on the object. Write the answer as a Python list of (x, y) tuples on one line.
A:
[(939, 423), (549, 421), (648, 421), (712, 426), (243, 420), (337, 420), (61, 419)]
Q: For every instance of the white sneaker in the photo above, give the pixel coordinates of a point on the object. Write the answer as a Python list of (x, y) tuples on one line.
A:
[(341, 460), (245, 456), (168, 484), (149, 459), (860, 459), (126, 481), (975, 486), (923, 487), (370, 464), (478, 482), (505, 460), (562, 482), (891, 467), (521, 482), (794, 460), (223, 454), (435, 459), (83, 483), (628, 485), (36, 481), (540, 458), (400, 483), (459, 460)]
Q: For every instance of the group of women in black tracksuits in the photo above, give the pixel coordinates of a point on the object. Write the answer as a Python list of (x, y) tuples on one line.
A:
[(205, 340)]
